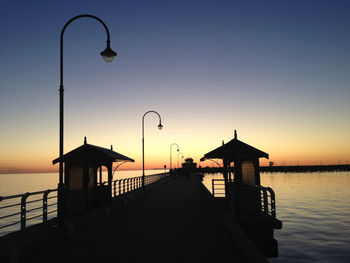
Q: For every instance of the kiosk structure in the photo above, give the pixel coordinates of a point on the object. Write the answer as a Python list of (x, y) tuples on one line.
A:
[(85, 187), (250, 204)]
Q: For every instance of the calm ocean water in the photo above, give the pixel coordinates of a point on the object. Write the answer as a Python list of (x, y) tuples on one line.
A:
[(314, 208)]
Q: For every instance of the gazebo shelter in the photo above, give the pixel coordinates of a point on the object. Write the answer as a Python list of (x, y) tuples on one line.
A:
[(245, 159), (250, 204), (84, 189)]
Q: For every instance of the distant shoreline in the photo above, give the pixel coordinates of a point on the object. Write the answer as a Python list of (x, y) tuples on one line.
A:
[(56, 172), (263, 169), (286, 169)]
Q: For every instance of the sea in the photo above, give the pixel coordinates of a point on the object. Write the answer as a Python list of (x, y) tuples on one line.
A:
[(314, 208), (315, 211)]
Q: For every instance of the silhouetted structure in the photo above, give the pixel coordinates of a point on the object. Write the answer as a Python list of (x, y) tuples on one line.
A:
[(108, 55), (84, 189), (251, 205), (188, 166)]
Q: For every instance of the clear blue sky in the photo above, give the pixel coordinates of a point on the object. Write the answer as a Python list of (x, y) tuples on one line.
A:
[(277, 71)]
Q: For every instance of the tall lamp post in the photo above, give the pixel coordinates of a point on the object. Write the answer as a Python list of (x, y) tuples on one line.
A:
[(170, 152), (108, 55), (178, 166), (160, 126)]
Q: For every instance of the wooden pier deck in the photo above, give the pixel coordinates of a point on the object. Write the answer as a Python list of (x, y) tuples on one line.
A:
[(174, 221)]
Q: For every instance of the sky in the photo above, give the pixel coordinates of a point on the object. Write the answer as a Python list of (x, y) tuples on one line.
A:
[(276, 71)]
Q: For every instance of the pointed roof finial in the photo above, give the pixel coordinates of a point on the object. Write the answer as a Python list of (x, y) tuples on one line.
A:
[(235, 135), (111, 147), (85, 140), (223, 142)]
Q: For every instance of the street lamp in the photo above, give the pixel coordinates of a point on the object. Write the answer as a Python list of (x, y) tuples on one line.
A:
[(178, 166), (108, 55), (170, 152), (160, 126)]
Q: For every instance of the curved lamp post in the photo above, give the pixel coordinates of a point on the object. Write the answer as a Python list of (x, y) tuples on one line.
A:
[(178, 166), (170, 152), (108, 55), (160, 126)]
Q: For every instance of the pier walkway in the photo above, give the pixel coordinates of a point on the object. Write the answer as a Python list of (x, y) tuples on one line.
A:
[(173, 222)]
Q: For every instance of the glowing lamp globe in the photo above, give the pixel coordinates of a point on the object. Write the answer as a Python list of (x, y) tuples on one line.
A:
[(108, 54)]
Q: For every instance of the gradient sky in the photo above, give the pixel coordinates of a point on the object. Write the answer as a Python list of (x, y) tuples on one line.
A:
[(277, 71)]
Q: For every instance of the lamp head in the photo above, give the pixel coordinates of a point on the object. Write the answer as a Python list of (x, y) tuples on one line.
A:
[(160, 126), (108, 54)]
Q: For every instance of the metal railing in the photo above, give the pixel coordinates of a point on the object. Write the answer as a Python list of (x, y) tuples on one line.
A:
[(267, 196), (218, 187), (122, 186), (22, 208), (268, 201), (26, 206)]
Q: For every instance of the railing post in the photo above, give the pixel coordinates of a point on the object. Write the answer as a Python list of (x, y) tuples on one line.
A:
[(123, 186), (266, 204), (23, 210), (46, 193), (212, 187), (273, 201), (115, 188), (120, 186)]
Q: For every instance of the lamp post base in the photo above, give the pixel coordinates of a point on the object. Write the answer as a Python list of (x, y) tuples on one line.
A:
[(60, 205), (143, 182)]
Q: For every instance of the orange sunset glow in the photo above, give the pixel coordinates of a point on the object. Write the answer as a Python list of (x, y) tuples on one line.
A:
[(285, 90)]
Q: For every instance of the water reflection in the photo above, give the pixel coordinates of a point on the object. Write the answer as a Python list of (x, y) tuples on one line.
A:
[(315, 211)]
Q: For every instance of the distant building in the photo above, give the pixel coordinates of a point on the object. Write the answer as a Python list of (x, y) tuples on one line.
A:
[(189, 165)]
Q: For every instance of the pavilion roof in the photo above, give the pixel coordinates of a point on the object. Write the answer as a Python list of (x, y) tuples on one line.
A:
[(233, 149), (89, 151)]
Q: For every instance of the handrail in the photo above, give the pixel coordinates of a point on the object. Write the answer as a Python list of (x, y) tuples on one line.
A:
[(24, 210), (28, 208), (123, 186), (267, 197), (268, 201)]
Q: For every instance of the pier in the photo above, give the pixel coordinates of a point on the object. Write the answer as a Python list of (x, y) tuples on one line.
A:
[(170, 217), (174, 220), (285, 169)]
